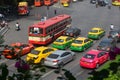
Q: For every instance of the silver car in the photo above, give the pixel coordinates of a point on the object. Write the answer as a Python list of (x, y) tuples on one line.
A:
[(59, 58)]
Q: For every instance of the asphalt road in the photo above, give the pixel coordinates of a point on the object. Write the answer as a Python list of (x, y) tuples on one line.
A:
[(84, 16)]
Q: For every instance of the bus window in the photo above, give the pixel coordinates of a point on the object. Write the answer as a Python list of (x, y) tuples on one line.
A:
[(35, 30)]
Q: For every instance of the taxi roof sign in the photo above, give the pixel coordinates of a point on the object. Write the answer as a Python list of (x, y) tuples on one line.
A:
[(22, 4)]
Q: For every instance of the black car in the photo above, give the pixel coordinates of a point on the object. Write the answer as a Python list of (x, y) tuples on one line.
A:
[(115, 34), (73, 32), (107, 44)]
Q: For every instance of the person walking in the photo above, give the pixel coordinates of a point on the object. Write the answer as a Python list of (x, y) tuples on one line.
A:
[(17, 25), (111, 26)]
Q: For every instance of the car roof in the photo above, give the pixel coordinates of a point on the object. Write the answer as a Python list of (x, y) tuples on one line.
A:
[(94, 51), (80, 38), (62, 37), (96, 28), (59, 52), (107, 40)]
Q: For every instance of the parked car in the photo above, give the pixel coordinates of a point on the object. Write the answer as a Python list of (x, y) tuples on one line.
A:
[(115, 34), (94, 58), (81, 44), (58, 58), (107, 44), (38, 54), (96, 33), (62, 42), (16, 50), (73, 32)]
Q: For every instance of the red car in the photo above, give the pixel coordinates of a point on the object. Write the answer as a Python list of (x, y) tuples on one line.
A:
[(16, 50), (94, 58)]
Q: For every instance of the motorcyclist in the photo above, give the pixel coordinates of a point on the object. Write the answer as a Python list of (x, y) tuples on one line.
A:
[(111, 26), (17, 25)]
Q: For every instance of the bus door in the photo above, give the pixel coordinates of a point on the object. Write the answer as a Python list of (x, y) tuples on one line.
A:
[(38, 3)]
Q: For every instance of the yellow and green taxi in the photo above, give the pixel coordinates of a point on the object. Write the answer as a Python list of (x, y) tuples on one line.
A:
[(81, 44), (38, 54), (96, 33), (62, 42)]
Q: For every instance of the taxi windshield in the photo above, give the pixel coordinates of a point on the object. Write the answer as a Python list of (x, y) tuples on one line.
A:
[(36, 52), (59, 40), (78, 41), (94, 31)]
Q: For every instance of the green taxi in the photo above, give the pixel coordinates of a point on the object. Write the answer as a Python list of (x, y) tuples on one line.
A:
[(81, 44), (63, 42), (96, 33)]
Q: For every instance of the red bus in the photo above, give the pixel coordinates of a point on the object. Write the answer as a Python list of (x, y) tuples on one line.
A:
[(42, 33), (48, 2), (38, 3), (116, 2)]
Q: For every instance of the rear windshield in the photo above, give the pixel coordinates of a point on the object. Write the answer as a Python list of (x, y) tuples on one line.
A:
[(89, 56), (78, 41), (59, 40), (94, 31), (35, 52), (53, 56)]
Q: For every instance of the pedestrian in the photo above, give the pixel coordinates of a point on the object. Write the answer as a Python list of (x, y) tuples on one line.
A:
[(111, 26), (55, 11), (17, 25)]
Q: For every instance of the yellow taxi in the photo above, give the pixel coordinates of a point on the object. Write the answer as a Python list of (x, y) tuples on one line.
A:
[(66, 4), (116, 2), (81, 44), (96, 33), (62, 42), (38, 54)]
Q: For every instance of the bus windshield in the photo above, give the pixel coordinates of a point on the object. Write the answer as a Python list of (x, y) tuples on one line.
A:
[(36, 30)]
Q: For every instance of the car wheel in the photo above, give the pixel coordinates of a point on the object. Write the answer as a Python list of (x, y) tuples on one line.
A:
[(73, 58), (99, 37), (97, 66), (42, 62), (84, 49), (61, 65)]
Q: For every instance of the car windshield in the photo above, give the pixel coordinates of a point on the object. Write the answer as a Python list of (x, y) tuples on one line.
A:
[(78, 41), (89, 56), (70, 30), (59, 40), (113, 32), (105, 43), (53, 56), (35, 52), (94, 31)]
